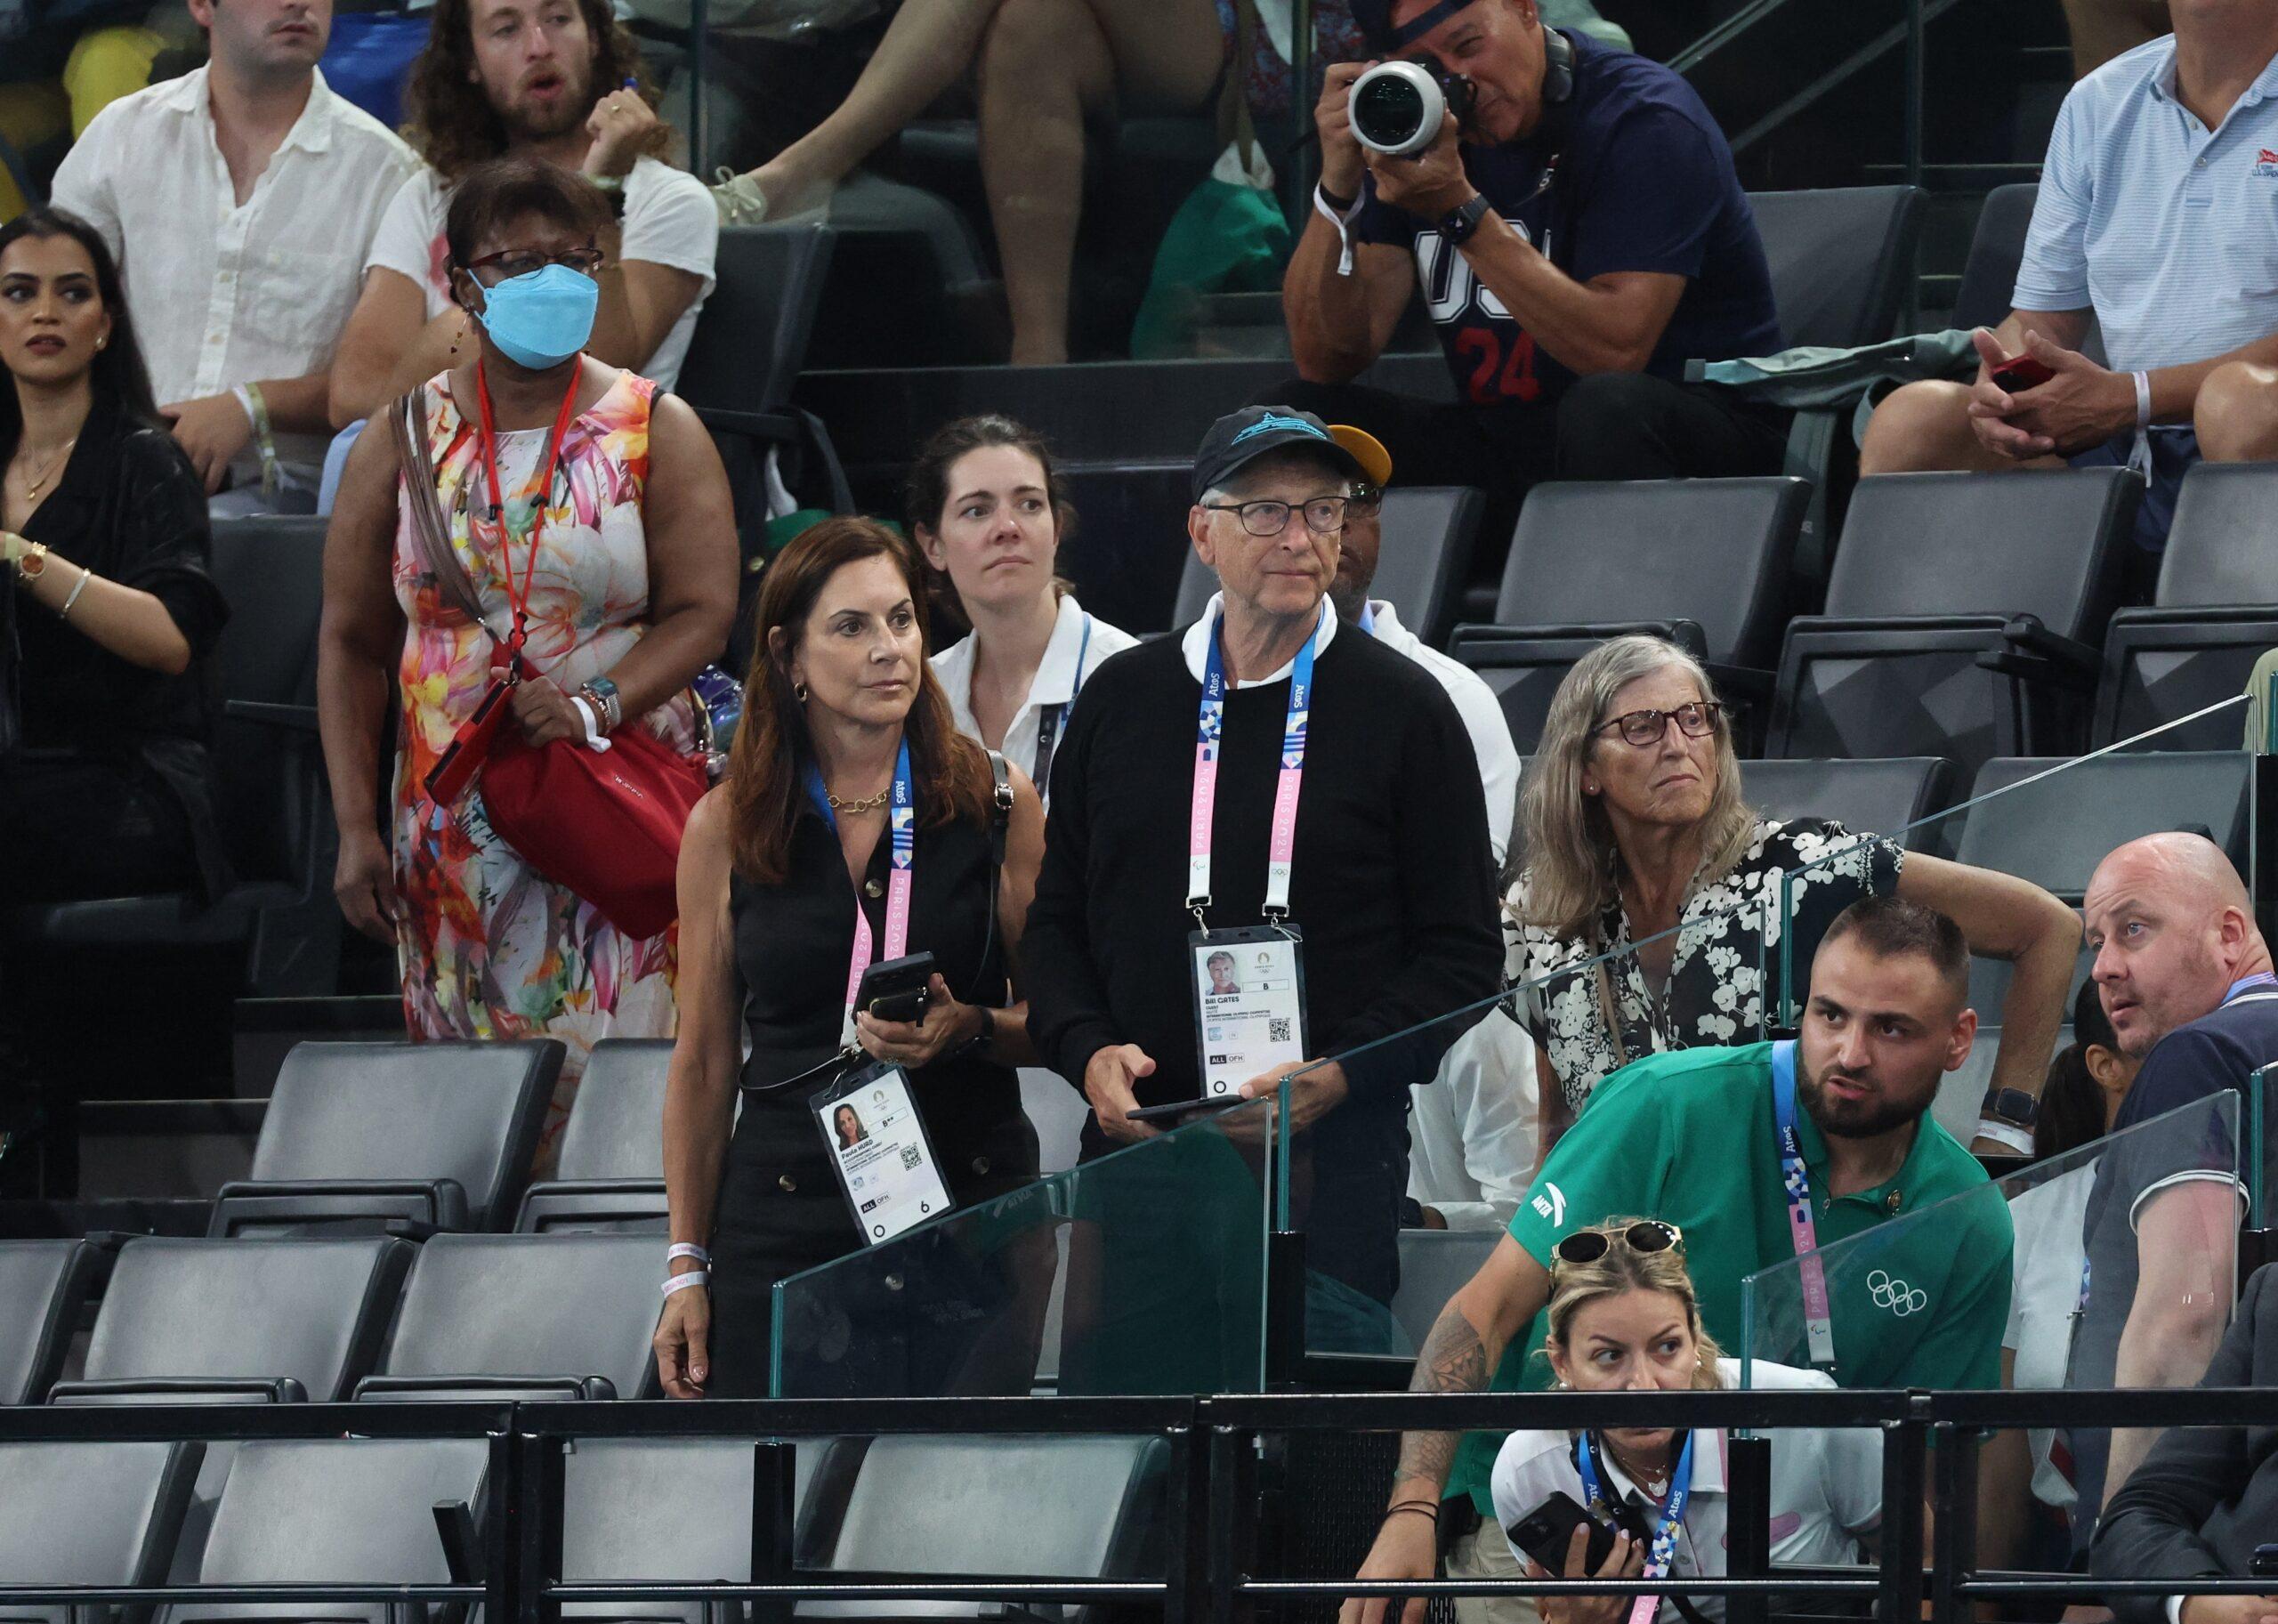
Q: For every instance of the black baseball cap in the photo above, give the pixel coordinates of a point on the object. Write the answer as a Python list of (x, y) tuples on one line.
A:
[(1242, 437), (1373, 19)]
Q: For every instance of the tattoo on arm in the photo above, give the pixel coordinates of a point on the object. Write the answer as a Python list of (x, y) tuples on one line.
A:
[(1454, 1360)]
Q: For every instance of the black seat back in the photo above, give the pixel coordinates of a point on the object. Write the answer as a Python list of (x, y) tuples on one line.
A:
[(1867, 797), (617, 1123), (1840, 259), (1989, 277), (2218, 553), (2055, 832), (271, 572), (1429, 531), (234, 1313), (658, 1509), (1714, 552), (44, 1284), (751, 338), (91, 1514), (1523, 665), (529, 1309)]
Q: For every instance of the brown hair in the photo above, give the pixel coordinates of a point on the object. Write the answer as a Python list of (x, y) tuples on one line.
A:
[(925, 491), (767, 766), (504, 189), (1889, 927), (1621, 1268), (448, 117)]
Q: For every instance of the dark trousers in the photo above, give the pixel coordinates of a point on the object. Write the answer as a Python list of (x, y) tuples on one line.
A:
[(1613, 425), (101, 829)]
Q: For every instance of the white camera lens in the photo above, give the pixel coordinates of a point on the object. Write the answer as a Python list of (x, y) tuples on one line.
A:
[(1397, 108)]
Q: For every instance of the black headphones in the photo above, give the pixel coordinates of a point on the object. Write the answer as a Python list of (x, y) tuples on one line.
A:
[(1557, 68)]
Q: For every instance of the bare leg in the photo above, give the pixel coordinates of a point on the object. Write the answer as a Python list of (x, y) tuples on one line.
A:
[(1925, 425), (1044, 63), (2103, 30)]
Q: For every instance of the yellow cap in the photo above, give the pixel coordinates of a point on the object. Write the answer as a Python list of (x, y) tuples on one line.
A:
[(1365, 450)]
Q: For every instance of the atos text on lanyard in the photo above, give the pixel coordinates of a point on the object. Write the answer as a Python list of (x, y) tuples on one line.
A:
[(1819, 1322), (1661, 1557)]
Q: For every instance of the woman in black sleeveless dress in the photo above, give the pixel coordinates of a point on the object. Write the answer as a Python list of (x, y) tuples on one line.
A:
[(839, 687)]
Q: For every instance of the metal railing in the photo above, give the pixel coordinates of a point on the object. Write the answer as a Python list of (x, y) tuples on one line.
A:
[(511, 1562)]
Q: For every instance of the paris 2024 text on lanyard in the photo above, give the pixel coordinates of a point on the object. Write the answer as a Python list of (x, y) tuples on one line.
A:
[(1249, 985)]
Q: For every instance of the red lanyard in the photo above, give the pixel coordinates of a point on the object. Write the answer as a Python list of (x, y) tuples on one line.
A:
[(536, 495)]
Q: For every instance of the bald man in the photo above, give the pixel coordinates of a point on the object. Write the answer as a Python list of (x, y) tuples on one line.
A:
[(2185, 977)]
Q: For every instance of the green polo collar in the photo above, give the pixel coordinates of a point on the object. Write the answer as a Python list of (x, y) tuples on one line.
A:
[(1890, 1197)]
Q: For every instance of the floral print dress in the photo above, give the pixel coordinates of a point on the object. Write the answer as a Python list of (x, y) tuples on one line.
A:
[(487, 949), (1716, 989)]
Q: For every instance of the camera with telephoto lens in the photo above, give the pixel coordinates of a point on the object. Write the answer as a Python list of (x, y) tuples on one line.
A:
[(1396, 108)]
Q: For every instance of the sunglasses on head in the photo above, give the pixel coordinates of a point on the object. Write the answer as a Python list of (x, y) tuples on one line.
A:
[(1588, 1245)]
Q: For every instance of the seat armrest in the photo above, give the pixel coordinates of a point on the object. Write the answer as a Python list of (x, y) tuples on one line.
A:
[(1750, 683), (295, 718), (2032, 654), (181, 1389), (415, 1389), (591, 1197), (2026, 634), (772, 427), (439, 1204)]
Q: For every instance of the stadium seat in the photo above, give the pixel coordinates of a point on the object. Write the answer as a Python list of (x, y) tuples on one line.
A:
[(1057, 1507), (2215, 611), (1588, 561), (1989, 277), (366, 1136), (334, 1511), (1433, 1263), (1877, 797), (524, 1316), (2055, 832), (44, 1285), (198, 1322), (1429, 531), (90, 1514), (1961, 618), (271, 802), (611, 1172)]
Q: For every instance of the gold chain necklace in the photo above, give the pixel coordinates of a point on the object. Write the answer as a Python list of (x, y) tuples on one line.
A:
[(868, 802), (38, 481)]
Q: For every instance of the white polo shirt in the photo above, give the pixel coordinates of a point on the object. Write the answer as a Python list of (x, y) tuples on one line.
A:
[(1827, 1488), (2167, 228), (224, 293), (1482, 719), (1081, 642)]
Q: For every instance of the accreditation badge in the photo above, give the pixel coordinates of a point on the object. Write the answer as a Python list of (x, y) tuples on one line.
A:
[(1250, 1003), (884, 1162)]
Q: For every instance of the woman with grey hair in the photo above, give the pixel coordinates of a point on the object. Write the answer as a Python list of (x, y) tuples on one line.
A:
[(1637, 831)]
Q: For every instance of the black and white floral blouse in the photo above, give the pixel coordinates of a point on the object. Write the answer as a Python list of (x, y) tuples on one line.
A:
[(1727, 946)]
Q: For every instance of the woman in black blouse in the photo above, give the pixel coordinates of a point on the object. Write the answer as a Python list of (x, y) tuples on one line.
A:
[(774, 864), (102, 741)]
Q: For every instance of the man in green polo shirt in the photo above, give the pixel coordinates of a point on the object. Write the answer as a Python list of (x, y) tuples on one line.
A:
[(1693, 1138)]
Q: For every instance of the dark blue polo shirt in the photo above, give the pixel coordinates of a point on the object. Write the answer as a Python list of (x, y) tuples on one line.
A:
[(1640, 180)]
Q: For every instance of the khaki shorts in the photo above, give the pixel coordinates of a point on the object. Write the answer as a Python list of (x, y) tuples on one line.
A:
[(1486, 1553)]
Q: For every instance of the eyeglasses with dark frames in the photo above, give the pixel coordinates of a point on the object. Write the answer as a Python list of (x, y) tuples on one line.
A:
[(1324, 515), (1696, 720), (512, 263), (1365, 499), (1587, 1246)]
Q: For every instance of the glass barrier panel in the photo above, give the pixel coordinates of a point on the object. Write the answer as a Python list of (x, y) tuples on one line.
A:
[(1141, 1273)]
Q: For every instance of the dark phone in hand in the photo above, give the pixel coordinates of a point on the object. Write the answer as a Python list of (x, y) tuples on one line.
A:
[(897, 989), (1546, 1532), (2021, 373), (2265, 1561)]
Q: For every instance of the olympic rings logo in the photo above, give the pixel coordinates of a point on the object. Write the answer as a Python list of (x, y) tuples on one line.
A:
[(1895, 1295)]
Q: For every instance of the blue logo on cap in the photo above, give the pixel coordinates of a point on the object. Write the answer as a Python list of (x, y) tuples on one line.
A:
[(1274, 420)]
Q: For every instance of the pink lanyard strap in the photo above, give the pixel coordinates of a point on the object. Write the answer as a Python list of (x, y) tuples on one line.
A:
[(1209, 730), (1819, 1322), (902, 828)]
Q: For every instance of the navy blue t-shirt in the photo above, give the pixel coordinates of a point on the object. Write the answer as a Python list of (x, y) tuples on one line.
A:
[(1642, 181)]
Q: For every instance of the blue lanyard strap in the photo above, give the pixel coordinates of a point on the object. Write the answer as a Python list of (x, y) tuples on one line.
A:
[(1661, 1557), (1819, 1324)]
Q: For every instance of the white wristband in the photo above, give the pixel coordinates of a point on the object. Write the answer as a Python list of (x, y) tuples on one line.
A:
[(2018, 1139), (1341, 221), (682, 1282), (2143, 401), (687, 1248), (593, 739)]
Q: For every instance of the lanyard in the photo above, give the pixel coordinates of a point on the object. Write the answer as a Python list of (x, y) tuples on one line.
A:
[(536, 495), (902, 825), (1208, 731), (1048, 719), (1818, 1325), (1662, 1555)]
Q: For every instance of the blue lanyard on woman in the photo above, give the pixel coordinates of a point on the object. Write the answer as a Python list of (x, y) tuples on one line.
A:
[(1662, 1555), (1049, 719)]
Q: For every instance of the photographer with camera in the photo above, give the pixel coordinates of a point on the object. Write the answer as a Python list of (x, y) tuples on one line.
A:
[(1571, 216)]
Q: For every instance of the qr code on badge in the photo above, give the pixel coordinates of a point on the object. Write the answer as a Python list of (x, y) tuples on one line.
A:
[(911, 1156), (1277, 1031)]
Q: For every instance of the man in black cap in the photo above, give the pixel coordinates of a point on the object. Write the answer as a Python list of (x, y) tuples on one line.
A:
[(1578, 234), (1275, 786)]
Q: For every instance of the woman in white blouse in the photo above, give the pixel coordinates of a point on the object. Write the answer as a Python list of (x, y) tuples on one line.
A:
[(1623, 1318), (983, 507)]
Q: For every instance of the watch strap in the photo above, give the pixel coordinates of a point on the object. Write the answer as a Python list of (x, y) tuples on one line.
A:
[(2014, 1106), (1458, 224)]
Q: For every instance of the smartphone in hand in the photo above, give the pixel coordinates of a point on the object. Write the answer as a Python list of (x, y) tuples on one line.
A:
[(2022, 372)]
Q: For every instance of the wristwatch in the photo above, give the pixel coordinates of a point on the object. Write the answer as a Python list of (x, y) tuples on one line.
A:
[(1460, 223), (2014, 1106)]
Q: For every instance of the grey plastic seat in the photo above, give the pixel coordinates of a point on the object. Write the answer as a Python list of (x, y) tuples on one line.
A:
[(2055, 832), (1878, 797), (1961, 619), (90, 1514), (1434, 1263), (337, 1511), (243, 1321), (1429, 532), (609, 1176), (1057, 1507), (44, 1286), (361, 1136), (2215, 613), (1523, 665), (1997, 246), (535, 1316)]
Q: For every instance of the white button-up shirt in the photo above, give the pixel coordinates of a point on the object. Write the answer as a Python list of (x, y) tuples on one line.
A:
[(224, 293), (1482, 719), (1081, 642)]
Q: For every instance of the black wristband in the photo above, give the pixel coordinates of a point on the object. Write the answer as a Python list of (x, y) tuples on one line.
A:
[(1337, 204)]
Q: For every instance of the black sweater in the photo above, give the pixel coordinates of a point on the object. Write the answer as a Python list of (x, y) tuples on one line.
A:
[(1392, 883)]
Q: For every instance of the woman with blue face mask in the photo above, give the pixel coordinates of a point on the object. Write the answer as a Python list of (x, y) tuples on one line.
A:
[(588, 519)]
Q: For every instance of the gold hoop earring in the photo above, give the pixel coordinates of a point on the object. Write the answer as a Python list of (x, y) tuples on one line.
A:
[(799, 690)]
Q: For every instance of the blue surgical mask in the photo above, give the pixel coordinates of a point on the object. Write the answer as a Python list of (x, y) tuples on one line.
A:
[(543, 318)]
